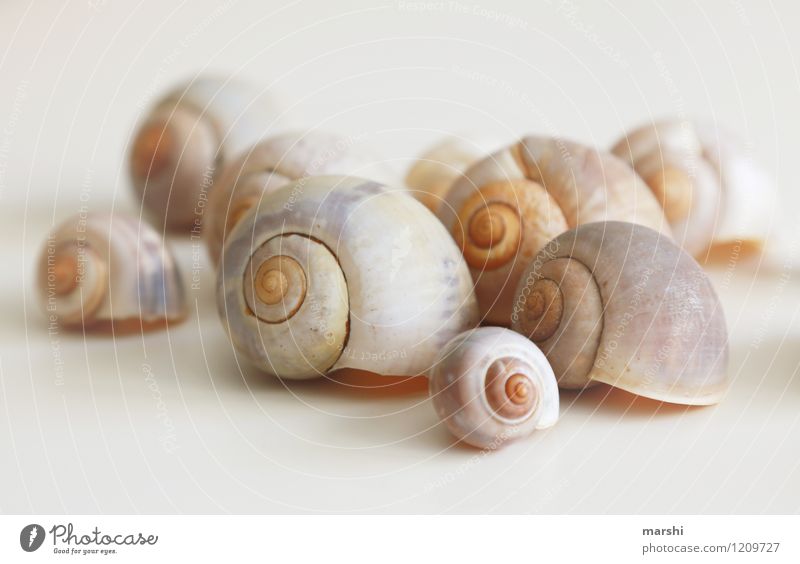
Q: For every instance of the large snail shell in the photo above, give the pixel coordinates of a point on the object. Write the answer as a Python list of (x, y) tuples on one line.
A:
[(509, 205), (273, 163), (712, 192), (187, 138), (620, 303), (104, 272), (491, 385), (341, 272), (431, 176)]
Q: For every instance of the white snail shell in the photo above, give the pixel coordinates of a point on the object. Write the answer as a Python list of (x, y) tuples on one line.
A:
[(185, 140), (273, 163), (492, 385), (431, 176), (341, 272), (620, 303), (713, 194), (506, 207), (109, 272)]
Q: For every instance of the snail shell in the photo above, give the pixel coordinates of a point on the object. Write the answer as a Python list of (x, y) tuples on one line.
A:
[(185, 140), (431, 176), (273, 163), (505, 208), (620, 303), (340, 272), (109, 272), (492, 385), (713, 194)]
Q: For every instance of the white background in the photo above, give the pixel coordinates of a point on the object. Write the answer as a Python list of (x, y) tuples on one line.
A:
[(88, 435)]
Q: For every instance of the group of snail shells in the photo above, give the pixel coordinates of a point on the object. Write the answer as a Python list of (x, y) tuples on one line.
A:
[(567, 250), (713, 196), (340, 276), (610, 302)]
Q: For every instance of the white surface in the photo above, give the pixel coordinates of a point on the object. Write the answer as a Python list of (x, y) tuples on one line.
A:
[(89, 434)]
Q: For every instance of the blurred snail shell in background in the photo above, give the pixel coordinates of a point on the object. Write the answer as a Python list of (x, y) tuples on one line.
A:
[(273, 163), (431, 176), (620, 303), (109, 272), (712, 192), (506, 207), (184, 141), (338, 272), (492, 385)]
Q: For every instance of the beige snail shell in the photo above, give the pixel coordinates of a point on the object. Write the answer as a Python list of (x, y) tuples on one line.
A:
[(620, 303), (506, 207), (185, 140), (273, 163), (714, 195), (492, 385), (340, 272), (432, 174), (105, 272)]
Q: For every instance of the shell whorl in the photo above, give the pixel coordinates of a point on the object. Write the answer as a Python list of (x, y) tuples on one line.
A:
[(553, 185), (274, 163), (559, 307), (186, 138), (103, 271), (711, 192), (432, 174), (637, 313), (491, 385), (380, 295), (510, 390)]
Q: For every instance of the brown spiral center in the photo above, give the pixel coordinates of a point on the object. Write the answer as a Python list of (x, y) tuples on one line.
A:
[(509, 390), (65, 274), (271, 284), (493, 233), (279, 288), (544, 308), (518, 388), (487, 226)]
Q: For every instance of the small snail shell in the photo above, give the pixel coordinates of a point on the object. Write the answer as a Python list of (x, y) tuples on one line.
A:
[(620, 303), (509, 205), (491, 385), (109, 272), (183, 142), (431, 176), (339, 272), (273, 163), (712, 193)]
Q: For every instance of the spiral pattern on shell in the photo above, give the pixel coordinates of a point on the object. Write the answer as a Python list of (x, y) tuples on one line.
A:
[(109, 272), (712, 192), (341, 272), (432, 174), (491, 385), (619, 303), (506, 207)]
